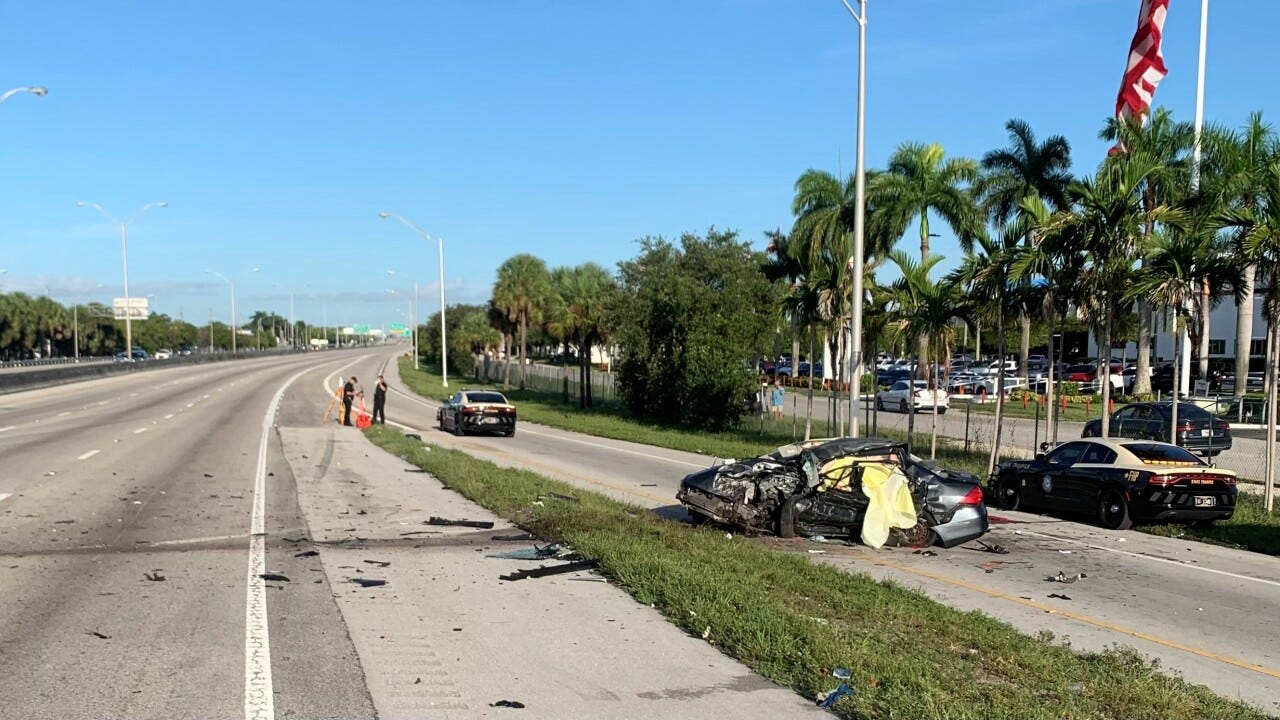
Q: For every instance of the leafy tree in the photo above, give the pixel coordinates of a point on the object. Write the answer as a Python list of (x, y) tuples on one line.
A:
[(686, 320), (468, 332)]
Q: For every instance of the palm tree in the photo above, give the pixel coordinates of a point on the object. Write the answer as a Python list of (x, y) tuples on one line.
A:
[(987, 273), (1024, 169), (590, 294), (1169, 144), (1240, 160), (1108, 219), (1176, 263), (522, 284), (920, 180), (1261, 240), (927, 308), (558, 322)]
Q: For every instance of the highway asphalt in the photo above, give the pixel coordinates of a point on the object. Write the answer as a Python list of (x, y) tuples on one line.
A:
[(139, 513)]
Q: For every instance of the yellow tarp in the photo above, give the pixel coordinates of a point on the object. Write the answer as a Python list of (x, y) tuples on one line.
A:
[(890, 503)]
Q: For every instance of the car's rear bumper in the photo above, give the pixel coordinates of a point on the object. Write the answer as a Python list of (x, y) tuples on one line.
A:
[(1204, 444), (1180, 505), (488, 423), (968, 523)]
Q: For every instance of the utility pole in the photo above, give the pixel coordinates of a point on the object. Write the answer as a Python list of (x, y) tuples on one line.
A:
[(859, 220)]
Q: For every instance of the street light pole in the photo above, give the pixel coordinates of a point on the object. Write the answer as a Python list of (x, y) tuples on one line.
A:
[(37, 90), (233, 306), (444, 345), (859, 219), (124, 253)]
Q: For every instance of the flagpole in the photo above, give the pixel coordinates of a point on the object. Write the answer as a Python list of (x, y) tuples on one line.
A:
[(1184, 379)]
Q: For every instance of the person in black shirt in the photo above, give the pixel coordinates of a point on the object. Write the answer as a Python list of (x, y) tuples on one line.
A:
[(348, 396), (380, 401)]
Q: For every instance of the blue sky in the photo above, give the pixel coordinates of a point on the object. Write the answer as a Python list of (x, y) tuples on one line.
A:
[(569, 129)]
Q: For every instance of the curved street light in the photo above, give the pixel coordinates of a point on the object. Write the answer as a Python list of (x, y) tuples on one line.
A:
[(124, 251), (444, 362), (228, 281), (37, 90)]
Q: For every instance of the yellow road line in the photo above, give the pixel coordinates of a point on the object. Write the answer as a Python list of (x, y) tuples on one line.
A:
[(1071, 615)]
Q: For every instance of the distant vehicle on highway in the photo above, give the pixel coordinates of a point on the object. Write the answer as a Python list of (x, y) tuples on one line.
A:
[(472, 411), (164, 354), (186, 351), (1198, 430), (1117, 481)]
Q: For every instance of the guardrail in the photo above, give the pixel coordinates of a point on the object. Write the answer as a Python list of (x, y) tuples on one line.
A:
[(5, 365)]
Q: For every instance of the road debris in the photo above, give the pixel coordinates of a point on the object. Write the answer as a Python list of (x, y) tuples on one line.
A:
[(648, 484), (817, 552), (558, 496), (379, 563), (508, 703), (1060, 597), (420, 532), (926, 553), (1062, 577), (413, 436), (414, 470), (530, 553), (368, 582), (482, 524), (307, 553), (154, 576), (992, 548), (513, 538), (553, 570), (208, 475), (274, 577), (97, 634), (827, 700)]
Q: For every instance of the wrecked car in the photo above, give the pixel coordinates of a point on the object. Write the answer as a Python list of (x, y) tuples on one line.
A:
[(830, 487)]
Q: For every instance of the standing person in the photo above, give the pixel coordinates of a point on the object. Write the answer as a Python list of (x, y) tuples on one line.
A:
[(776, 398), (348, 396), (380, 401)]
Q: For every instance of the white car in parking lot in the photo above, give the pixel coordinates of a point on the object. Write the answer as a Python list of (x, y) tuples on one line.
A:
[(164, 354), (905, 395)]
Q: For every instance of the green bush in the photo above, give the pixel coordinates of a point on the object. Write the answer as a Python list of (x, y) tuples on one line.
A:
[(1068, 388)]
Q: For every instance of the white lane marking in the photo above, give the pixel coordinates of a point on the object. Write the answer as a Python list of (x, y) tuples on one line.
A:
[(589, 443), (191, 404), (7, 428), (199, 540), (1153, 558), (88, 455), (139, 431), (64, 414), (4, 496), (259, 701), (169, 416), (105, 402)]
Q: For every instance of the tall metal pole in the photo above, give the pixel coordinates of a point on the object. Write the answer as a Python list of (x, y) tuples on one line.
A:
[(444, 348), (124, 253), (859, 220), (1184, 377), (75, 318), (293, 324), (413, 325)]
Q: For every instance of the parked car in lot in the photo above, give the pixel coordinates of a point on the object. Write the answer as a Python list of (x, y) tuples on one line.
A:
[(186, 350), (816, 488), (1198, 430), (476, 411), (164, 354), (904, 395), (1117, 481), (885, 378)]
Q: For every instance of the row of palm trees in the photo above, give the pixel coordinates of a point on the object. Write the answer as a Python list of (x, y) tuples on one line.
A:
[(1040, 243), (570, 305)]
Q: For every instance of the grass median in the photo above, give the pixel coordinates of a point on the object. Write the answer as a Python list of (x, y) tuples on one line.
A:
[(793, 621), (1251, 528)]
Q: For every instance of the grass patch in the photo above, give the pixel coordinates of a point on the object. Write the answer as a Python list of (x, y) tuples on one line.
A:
[(793, 620), (611, 421), (1250, 528)]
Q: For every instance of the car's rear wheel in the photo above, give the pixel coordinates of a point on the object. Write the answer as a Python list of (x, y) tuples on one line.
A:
[(511, 432), (1113, 510), (457, 427), (879, 404), (1010, 497), (1088, 432)]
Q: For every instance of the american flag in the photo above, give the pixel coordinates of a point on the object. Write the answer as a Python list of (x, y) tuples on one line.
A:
[(1146, 62)]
